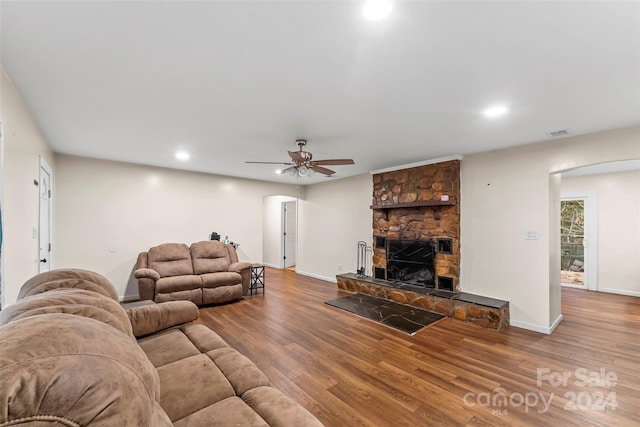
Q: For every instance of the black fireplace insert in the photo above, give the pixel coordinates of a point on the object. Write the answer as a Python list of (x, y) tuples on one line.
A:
[(411, 261)]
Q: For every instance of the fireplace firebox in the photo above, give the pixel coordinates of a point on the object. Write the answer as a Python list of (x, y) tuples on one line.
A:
[(411, 261)]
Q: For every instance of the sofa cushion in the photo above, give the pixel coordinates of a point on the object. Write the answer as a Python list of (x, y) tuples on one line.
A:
[(240, 371), (193, 295), (191, 384), (277, 409), (226, 278), (170, 259), (166, 285), (231, 411), (76, 371), (203, 338), (221, 294), (78, 302), (210, 257), (167, 347)]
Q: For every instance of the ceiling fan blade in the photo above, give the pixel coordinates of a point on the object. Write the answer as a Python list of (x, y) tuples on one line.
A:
[(322, 170), (296, 156), (273, 163), (334, 162)]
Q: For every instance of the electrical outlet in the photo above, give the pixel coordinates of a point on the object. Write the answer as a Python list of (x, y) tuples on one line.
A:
[(339, 268), (34, 233), (531, 235)]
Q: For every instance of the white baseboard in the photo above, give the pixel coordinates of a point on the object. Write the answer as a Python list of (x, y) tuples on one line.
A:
[(536, 328), (304, 273), (555, 323), (619, 291), (123, 298), (571, 285), (317, 276), (606, 290)]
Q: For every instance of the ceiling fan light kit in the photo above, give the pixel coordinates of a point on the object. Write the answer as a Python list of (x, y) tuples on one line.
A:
[(302, 163)]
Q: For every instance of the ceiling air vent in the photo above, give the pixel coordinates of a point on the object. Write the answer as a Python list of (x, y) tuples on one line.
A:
[(557, 133)]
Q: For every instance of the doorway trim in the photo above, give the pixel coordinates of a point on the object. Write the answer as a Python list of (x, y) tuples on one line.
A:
[(42, 267), (590, 235)]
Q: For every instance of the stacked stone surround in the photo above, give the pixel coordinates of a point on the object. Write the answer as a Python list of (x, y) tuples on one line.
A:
[(481, 311), (407, 205)]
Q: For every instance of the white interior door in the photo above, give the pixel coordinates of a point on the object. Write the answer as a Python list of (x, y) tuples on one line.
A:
[(289, 237), (44, 229)]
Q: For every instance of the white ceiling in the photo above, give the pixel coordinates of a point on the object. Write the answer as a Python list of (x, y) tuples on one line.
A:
[(231, 81)]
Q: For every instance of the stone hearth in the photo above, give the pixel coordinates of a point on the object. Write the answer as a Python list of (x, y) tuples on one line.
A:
[(482, 311)]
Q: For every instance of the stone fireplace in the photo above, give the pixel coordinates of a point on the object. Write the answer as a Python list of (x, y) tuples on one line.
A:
[(419, 208), (416, 246)]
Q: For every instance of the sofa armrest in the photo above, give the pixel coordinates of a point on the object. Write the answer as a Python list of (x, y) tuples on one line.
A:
[(244, 268), (146, 282), (146, 273), (152, 318), (237, 267)]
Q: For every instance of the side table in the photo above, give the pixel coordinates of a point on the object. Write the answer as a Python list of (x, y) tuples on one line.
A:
[(257, 279)]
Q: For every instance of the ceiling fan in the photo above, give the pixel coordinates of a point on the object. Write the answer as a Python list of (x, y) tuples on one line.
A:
[(301, 163)]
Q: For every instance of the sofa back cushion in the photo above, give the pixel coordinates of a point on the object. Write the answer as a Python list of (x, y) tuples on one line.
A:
[(170, 259), (210, 256), (75, 371), (78, 302), (68, 278)]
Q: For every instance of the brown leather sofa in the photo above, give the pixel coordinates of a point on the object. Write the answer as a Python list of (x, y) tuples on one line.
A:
[(207, 272), (73, 356)]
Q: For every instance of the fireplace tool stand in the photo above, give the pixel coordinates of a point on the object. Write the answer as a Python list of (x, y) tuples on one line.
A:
[(364, 255)]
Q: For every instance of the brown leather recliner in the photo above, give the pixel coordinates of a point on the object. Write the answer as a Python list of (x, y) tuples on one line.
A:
[(208, 272)]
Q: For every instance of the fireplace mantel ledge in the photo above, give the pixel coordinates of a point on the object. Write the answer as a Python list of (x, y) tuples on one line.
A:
[(414, 204)]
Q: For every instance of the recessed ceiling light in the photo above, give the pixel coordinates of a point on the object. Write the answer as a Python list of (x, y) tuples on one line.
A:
[(495, 111), (182, 155), (375, 10)]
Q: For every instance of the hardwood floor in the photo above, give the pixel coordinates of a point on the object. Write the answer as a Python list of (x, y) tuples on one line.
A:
[(349, 371)]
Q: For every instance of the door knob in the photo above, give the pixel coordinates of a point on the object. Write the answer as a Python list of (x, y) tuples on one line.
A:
[(43, 260)]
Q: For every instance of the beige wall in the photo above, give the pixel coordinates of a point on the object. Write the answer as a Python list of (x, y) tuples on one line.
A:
[(618, 213), (107, 212), (331, 220), (23, 145), (506, 193)]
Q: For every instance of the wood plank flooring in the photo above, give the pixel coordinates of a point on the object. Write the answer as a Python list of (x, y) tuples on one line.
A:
[(349, 371)]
